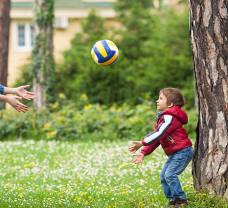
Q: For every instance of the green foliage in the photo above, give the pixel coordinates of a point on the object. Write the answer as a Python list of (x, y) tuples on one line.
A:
[(136, 28), (45, 13), (88, 121), (155, 52), (203, 199), (192, 124), (26, 76), (93, 32)]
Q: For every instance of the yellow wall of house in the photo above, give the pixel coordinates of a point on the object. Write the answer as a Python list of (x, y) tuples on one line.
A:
[(62, 38)]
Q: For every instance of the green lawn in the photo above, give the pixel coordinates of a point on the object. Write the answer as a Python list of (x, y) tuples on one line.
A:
[(65, 174)]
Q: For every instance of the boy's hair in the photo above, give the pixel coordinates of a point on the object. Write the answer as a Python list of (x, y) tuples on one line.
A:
[(173, 95)]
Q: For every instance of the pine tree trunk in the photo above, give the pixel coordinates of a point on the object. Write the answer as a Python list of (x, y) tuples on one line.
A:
[(4, 39), (209, 36), (43, 61)]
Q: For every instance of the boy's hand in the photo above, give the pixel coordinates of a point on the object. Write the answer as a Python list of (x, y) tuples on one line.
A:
[(13, 100), (22, 92), (135, 146), (139, 158)]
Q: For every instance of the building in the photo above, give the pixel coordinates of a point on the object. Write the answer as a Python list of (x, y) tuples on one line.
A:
[(68, 15)]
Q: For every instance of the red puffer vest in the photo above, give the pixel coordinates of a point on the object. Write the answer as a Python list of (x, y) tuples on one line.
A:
[(168, 132)]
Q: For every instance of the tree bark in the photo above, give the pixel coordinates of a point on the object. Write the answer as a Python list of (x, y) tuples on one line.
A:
[(43, 61), (4, 39), (209, 36)]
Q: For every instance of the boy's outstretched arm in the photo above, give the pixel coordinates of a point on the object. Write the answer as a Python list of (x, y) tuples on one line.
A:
[(146, 150), (165, 128)]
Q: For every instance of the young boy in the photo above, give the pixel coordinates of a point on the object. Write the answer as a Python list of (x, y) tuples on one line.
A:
[(174, 140), (13, 95)]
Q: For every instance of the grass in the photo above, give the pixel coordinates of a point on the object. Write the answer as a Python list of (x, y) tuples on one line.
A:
[(100, 174)]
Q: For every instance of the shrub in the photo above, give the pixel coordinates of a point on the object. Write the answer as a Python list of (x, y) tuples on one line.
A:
[(85, 122)]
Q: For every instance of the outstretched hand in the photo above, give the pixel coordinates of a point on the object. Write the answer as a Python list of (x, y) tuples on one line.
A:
[(22, 92), (135, 146), (13, 100), (139, 158)]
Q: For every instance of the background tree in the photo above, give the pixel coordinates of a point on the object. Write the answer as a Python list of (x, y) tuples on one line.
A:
[(42, 55), (209, 32), (4, 39), (154, 43)]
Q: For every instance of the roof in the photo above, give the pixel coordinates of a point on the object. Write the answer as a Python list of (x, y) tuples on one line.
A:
[(66, 4)]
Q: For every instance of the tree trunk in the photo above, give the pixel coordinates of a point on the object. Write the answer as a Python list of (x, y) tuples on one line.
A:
[(209, 36), (43, 61), (4, 39)]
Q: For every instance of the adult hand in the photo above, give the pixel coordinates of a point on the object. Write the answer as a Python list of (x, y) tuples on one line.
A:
[(22, 92), (13, 100)]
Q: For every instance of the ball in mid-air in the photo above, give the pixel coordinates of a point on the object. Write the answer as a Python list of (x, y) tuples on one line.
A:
[(104, 52)]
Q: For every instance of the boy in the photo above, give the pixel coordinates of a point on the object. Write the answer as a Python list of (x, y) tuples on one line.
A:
[(6, 95), (174, 140)]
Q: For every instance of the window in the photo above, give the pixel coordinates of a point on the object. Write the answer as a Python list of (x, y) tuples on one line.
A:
[(24, 40), (21, 35)]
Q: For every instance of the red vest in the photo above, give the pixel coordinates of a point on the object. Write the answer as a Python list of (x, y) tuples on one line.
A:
[(172, 137)]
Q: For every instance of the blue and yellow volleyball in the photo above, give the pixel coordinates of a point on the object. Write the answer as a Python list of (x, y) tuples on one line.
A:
[(104, 52)]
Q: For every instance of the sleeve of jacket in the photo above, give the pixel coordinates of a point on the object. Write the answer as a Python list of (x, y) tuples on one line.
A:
[(146, 150), (1, 89), (165, 128)]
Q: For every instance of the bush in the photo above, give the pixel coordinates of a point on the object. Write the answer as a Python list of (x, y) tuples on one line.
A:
[(192, 124), (83, 122)]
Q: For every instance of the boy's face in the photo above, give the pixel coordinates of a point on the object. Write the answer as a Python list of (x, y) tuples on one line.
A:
[(162, 102)]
